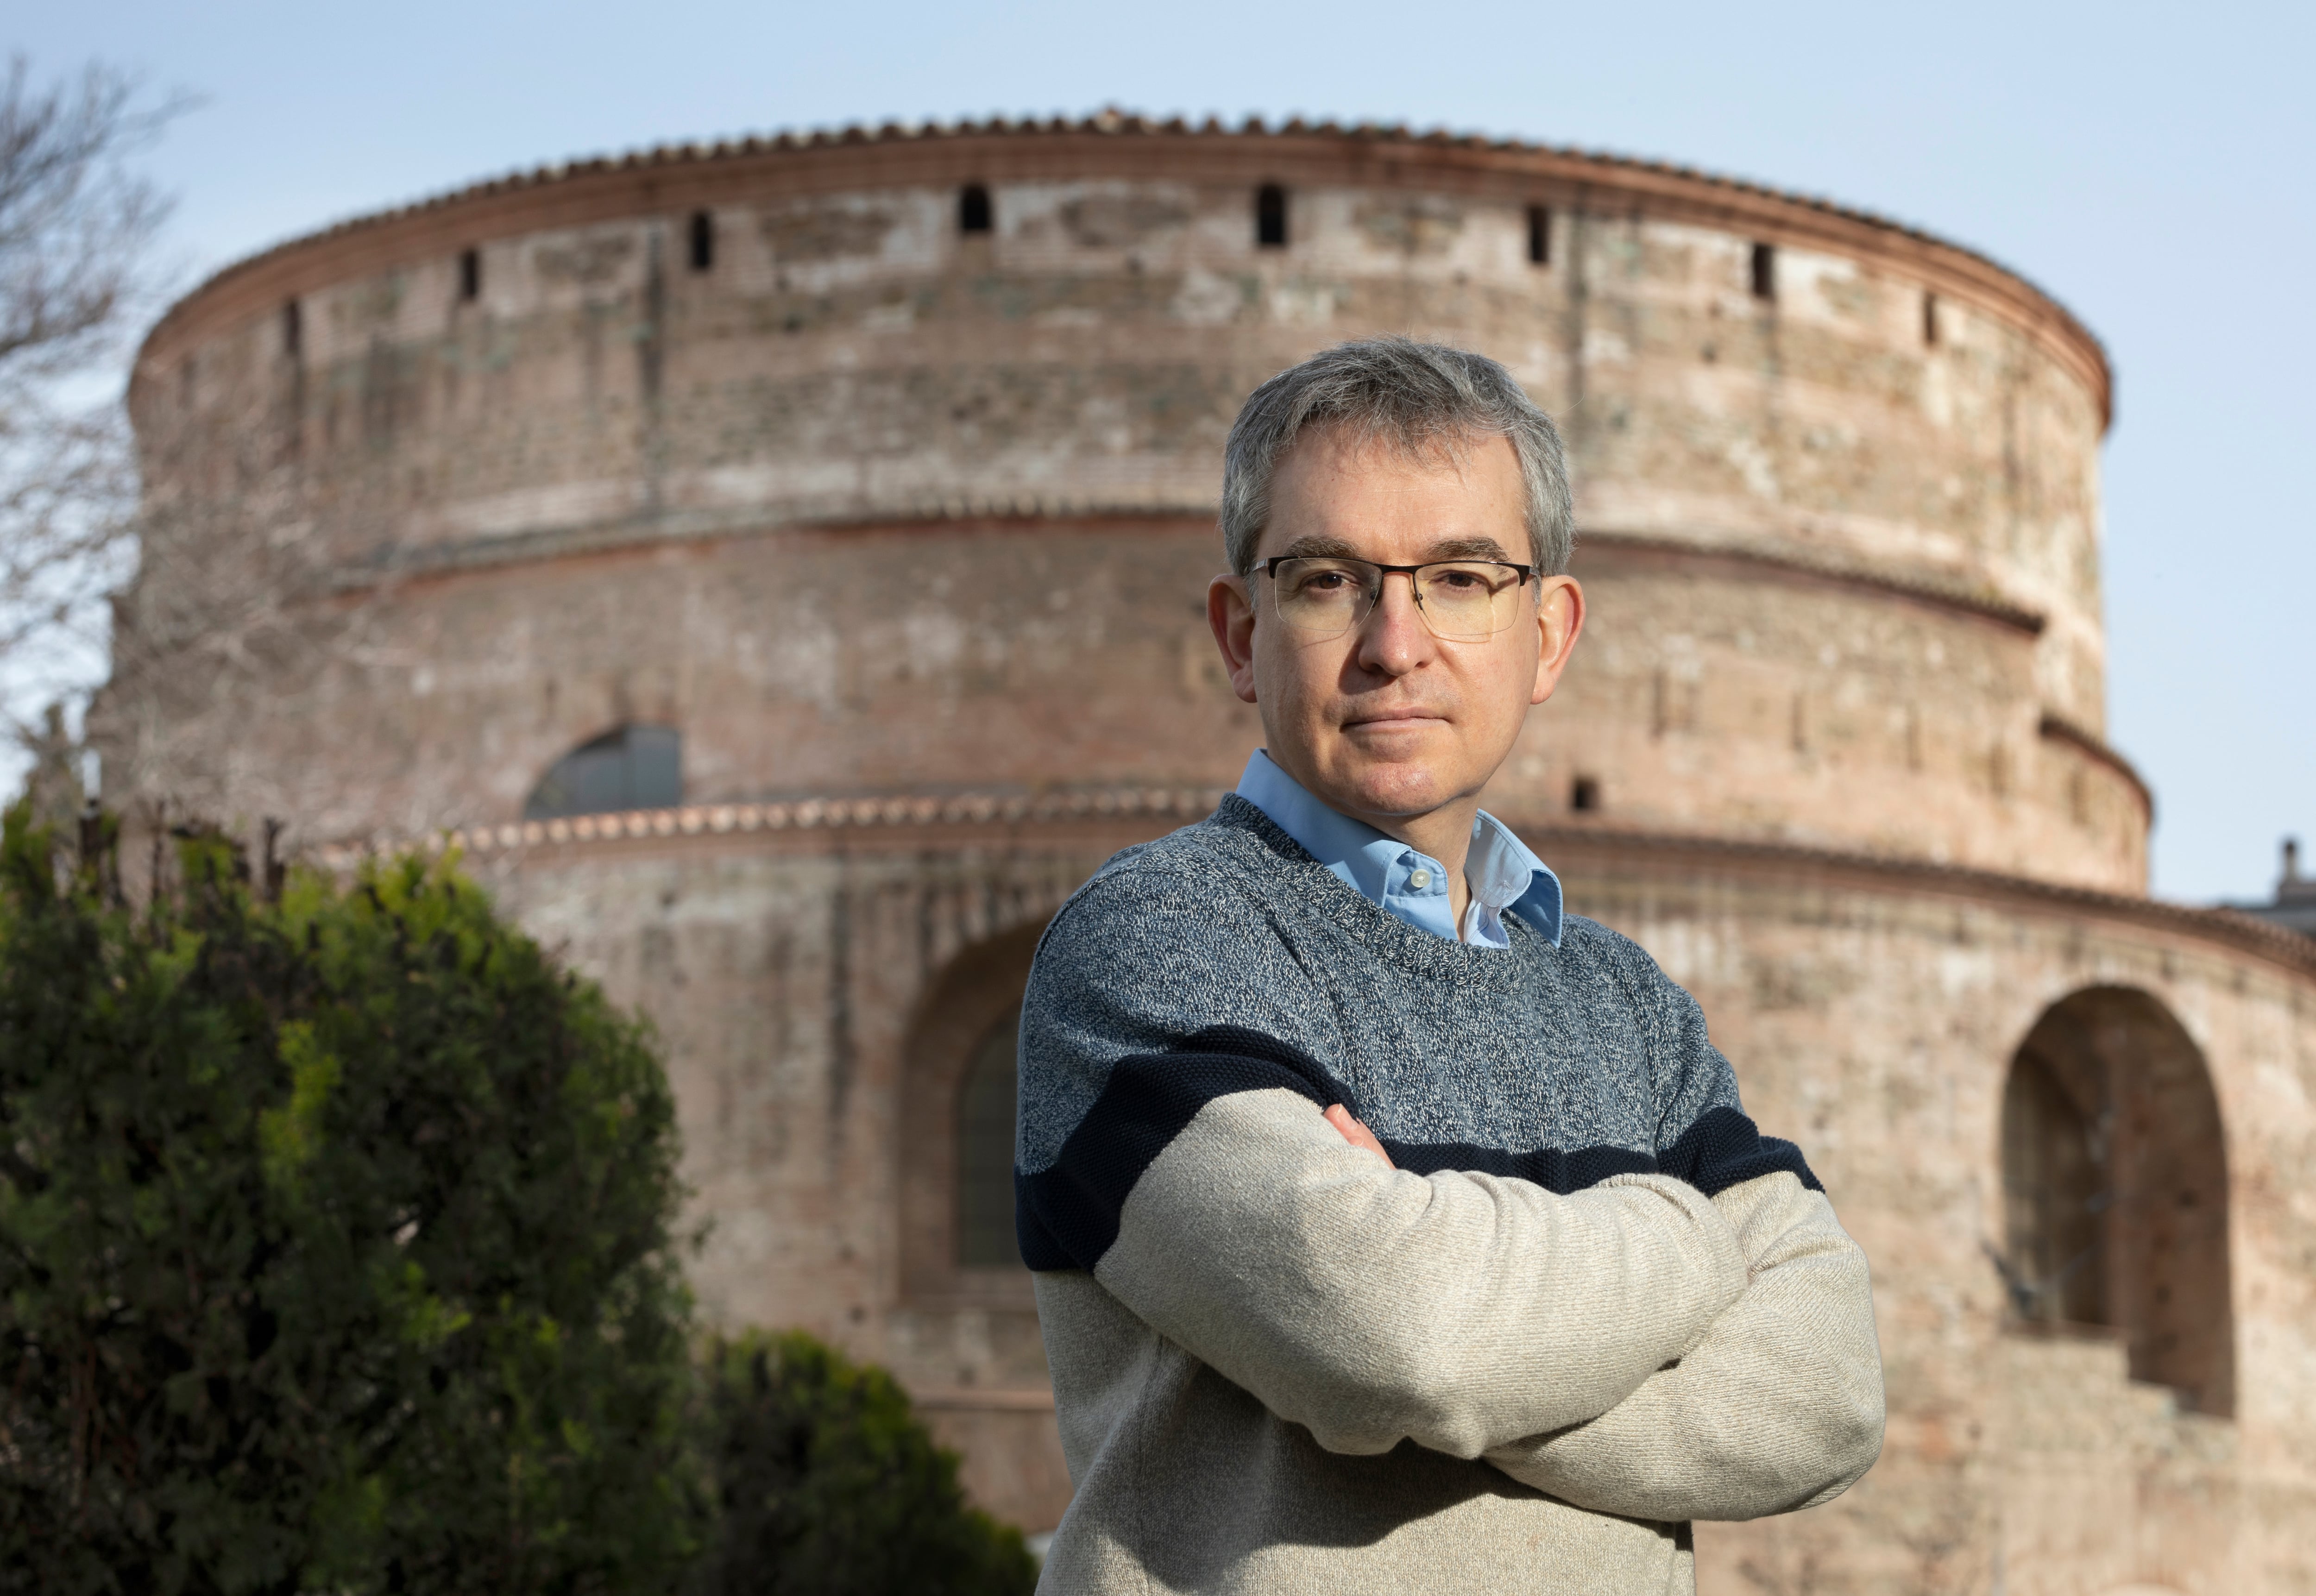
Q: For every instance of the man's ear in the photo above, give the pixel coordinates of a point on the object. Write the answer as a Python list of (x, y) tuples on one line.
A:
[(1229, 611), (1559, 618)]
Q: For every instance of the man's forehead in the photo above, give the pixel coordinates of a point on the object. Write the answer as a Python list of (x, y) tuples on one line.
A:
[(1368, 498)]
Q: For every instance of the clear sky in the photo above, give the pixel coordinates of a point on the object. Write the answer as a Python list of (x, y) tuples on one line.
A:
[(2149, 166)]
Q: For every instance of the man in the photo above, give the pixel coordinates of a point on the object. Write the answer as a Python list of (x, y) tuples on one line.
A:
[(1397, 1231)]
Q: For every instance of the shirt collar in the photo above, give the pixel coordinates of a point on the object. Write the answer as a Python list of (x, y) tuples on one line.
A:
[(1502, 871)]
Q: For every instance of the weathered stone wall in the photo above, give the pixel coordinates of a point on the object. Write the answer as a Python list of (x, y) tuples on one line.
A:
[(1733, 698), (850, 359)]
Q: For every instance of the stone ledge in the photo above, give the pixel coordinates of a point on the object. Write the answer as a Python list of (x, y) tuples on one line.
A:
[(627, 533), (902, 813), (1942, 592), (1894, 873), (2058, 729)]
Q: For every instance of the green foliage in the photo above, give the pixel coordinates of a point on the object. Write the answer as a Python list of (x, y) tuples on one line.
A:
[(826, 1484), (335, 1247)]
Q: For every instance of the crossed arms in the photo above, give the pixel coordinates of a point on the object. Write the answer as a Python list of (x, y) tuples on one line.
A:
[(1778, 1405), (1632, 1347)]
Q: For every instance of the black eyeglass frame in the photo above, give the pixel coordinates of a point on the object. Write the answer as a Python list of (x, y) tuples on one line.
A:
[(1526, 574)]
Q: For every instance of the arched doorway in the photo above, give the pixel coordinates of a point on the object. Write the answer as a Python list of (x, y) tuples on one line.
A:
[(965, 1328), (2116, 1191), (956, 1130)]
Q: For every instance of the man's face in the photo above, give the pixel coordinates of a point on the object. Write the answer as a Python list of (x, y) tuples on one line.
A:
[(1388, 723)]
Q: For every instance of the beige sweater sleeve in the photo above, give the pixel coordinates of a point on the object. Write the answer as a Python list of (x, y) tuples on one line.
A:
[(1778, 1406), (1372, 1306)]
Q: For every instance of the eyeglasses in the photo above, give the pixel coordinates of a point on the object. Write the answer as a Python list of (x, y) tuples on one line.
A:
[(1462, 601)]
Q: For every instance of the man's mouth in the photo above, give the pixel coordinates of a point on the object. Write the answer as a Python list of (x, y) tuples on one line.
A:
[(1384, 720)]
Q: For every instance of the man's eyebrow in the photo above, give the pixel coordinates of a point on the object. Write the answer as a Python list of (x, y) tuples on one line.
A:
[(1312, 546), (1469, 548)]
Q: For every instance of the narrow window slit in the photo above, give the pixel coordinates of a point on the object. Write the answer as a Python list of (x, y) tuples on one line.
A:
[(470, 274), (703, 241), (1765, 272), (1539, 235), (1270, 217), (973, 213)]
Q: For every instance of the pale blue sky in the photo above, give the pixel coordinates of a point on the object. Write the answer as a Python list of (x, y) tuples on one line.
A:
[(2146, 164)]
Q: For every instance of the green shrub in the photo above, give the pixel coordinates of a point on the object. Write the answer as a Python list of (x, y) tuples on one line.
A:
[(826, 1484), (335, 1246)]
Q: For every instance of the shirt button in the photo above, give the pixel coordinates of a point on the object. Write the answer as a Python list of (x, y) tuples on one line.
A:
[(1420, 880)]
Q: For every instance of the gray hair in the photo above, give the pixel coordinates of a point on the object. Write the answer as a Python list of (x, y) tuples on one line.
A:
[(1419, 397)]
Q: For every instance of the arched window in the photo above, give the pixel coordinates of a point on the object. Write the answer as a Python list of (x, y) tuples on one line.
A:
[(635, 767), (973, 214), (2115, 1190), (984, 1149)]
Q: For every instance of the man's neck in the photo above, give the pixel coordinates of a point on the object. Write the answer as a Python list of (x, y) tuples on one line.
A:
[(1444, 833)]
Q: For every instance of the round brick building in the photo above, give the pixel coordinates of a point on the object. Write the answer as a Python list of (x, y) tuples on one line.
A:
[(781, 567)]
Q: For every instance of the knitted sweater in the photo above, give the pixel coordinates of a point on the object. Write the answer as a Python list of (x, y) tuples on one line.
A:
[(1587, 1304)]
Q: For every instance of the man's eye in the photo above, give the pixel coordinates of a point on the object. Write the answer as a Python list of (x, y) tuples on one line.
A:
[(1325, 582), (1458, 581)]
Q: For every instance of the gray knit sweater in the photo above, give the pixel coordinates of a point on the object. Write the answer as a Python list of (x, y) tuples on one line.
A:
[(1589, 1304)]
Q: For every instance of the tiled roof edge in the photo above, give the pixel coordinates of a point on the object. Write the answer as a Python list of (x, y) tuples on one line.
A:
[(810, 814)]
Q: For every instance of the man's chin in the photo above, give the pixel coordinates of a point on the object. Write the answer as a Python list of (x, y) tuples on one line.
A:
[(1392, 789)]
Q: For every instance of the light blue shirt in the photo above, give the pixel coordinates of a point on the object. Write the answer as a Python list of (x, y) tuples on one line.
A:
[(1412, 886)]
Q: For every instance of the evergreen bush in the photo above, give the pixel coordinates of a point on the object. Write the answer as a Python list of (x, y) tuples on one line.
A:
[(338, 1256), (335, 1245), (827, 1485)]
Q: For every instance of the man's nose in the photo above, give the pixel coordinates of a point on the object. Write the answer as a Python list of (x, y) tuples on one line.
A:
[(1394, 639)]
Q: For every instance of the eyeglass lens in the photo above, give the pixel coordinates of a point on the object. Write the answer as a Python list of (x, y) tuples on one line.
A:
[(1464, 600)]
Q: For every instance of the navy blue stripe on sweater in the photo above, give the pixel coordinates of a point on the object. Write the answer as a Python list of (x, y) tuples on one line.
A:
[(1065, 1216)]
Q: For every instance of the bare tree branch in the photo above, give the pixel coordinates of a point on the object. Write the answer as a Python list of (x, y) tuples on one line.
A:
[(76, 223), (77, 226)]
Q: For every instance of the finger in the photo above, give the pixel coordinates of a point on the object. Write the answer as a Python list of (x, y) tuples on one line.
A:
[(1373, 1143), (1354, 1132)]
